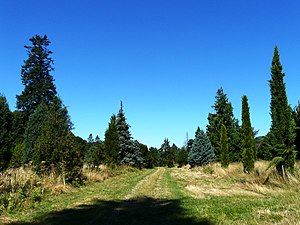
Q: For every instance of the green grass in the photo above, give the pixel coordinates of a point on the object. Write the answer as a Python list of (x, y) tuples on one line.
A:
[(162, 196)]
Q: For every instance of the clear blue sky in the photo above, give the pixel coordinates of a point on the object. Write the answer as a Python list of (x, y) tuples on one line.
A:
[(165, 59)]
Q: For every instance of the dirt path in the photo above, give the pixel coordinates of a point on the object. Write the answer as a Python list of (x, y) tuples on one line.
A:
[(153, 186)]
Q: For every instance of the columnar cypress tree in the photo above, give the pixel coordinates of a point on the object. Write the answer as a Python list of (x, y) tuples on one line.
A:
[(224, 156), (248, 144), (111, 142), (224, 115), (296, 115), (5, 131), (36, 77), (202, 151), (282, 132)]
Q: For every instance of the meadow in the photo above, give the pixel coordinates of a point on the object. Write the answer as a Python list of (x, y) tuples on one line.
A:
[(201, 195)]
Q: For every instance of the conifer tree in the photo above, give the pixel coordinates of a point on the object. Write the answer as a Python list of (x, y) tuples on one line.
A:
[(55, 138), (202, 151), (33, 131), (224, 156), (224, 115), (248, 144), (296, 115), (282, 131), (5, 132), (164, 151), (36, 77), (129, 152), (111, 142)]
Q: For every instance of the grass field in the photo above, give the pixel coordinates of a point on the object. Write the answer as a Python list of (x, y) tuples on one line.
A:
[(206, 195)]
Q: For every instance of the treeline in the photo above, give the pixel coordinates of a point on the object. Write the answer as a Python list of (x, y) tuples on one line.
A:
[(39, 132)]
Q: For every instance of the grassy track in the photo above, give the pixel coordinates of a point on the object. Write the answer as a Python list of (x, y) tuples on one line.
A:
[(165, 196)]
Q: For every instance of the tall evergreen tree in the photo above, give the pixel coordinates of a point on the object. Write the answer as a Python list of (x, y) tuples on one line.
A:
[(33, 131), (282, 131), (296, 115), (202, 151), (111, 142), (129, 152), (124, 134), (5, 132), (224, 156), (224, 115), (248, 144), (53, 137), (36, 77), (166, 157)]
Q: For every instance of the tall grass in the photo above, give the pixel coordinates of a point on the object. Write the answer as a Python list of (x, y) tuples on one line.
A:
[(22, 187)]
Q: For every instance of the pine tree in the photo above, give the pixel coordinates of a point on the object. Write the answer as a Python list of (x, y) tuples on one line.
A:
[(282, 131), (248, 144), (224, 156), (36, 77), (202, 151), (224, 115), (111, 142), (5, 132)]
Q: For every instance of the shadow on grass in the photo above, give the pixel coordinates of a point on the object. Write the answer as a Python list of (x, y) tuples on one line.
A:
[(142, 211)]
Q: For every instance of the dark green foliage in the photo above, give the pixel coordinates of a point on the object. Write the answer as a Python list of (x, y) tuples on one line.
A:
[(224, 156), (18, 126), (202, 151), (153, 158), (70, 160), (248, 144), (167, 154), (224, 115), (5, 133), (94, 155), (296, 116), (33, 131), (111, 142), (182, 157), (129, 151), (282, 133), (55, 147), (81, 144), (36, 77), (17, 155)]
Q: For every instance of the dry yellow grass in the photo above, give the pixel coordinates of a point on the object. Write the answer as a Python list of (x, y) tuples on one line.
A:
[(214, 180)]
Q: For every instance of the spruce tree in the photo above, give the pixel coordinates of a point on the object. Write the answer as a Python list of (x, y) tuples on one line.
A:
[(248, 144), (129, 152), (224, 115), (202, 151), (36, 77), (5, 133), (224, 156), (111, 142), (282, 131)]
